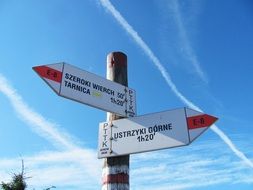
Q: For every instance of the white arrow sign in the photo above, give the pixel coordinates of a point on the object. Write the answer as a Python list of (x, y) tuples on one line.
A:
[(85, 87), (151, 132)]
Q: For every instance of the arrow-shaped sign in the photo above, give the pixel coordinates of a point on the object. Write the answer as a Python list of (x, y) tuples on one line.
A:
[(152, 132), (88, 88)]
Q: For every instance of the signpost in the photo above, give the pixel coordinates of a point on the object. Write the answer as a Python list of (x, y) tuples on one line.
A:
[(156, 131), (123, 133), (85, 87)]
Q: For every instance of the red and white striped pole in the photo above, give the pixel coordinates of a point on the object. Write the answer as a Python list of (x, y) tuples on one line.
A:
[(115, 175)]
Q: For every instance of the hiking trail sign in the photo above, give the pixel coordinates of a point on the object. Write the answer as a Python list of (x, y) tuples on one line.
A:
[(85, 87), (150, 132)]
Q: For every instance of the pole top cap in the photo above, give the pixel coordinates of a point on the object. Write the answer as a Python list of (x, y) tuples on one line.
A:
[(117, 59)]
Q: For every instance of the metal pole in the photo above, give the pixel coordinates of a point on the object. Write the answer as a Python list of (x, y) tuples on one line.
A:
[(116, 169)]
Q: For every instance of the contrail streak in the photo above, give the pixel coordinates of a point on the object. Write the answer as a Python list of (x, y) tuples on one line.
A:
[(129, 29), (35, 120), (188, 50), (49, 130)]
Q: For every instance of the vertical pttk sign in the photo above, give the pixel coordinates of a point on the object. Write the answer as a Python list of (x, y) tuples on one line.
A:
[(85, 87)]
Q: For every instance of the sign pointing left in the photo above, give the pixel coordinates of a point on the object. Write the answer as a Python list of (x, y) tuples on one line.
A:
[(85, 87), (51, 74)]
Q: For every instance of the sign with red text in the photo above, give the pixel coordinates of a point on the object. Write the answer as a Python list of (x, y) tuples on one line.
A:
[(156, 131), (85, 87)]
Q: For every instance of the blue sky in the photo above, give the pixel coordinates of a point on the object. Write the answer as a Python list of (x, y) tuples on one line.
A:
[(180, 53)]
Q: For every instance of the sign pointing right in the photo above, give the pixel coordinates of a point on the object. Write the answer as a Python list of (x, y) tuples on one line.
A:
[(197, 124), (150, 132)]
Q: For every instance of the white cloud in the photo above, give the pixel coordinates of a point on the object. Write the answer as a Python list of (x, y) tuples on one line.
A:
[(174, 168), (191, 168), (129, 29), (61, 169)]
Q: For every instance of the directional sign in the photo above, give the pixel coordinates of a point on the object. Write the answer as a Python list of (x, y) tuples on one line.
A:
[(151, 132), (85, 87)]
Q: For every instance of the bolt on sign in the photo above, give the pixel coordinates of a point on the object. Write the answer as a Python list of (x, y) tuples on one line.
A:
[(85, 87), (150, 132)]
